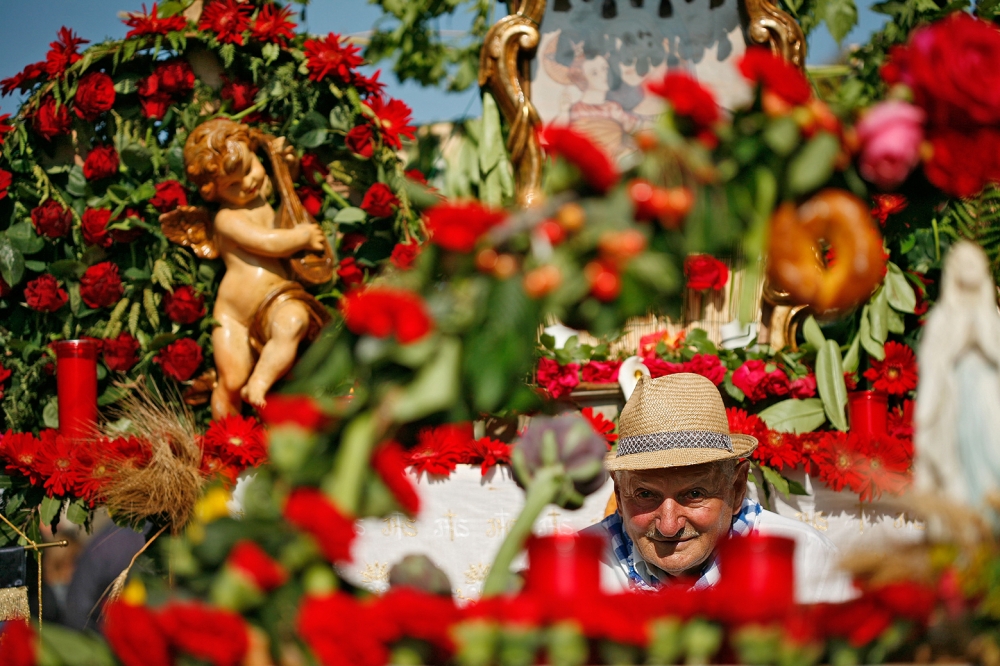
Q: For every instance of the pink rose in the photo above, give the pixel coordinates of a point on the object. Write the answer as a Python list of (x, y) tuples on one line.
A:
[(757, 383), (890, 135), (558, 380), (804, 387), (601, 372), (660, 368), (708, 366)]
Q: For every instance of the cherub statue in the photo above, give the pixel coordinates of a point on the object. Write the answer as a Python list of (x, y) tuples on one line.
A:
[(263, 312), (957, 419)]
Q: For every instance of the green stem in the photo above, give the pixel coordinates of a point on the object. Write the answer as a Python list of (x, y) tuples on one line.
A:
[(350, 469), (540, 493)]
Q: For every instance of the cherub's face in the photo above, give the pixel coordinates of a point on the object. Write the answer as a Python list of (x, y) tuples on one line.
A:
[(238, 189)]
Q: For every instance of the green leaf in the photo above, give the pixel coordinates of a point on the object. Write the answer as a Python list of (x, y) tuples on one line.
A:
[(812, 166), (782, 135), (656, 270), (77, 513), (350, 216), (779, 482), (895, 322), (60, 645), (491, 146), (874, 348), (50, 414), (11, 261), (899, 291), (127, 83), (794, 487), (435, 387), (49, 509), (23, 237), (68, 268), (137, 157), (878, 316), (812, 332), (830, 383), (851, 358), (840, 17), (312, 138), (795, 416)]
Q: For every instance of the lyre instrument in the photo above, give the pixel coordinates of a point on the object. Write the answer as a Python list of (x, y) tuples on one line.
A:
[(308, 267)]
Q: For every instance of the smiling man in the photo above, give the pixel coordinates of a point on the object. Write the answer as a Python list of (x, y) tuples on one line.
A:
[(681, 487)]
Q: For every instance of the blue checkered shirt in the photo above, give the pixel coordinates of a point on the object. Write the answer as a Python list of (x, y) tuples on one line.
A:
[(643, 578)]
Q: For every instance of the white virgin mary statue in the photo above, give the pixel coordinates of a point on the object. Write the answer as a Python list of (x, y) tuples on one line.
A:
[(957, 419)]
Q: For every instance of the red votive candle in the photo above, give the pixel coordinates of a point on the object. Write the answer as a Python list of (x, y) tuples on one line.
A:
[(757, 577), (869, 412), (564, 565), (76, 382)]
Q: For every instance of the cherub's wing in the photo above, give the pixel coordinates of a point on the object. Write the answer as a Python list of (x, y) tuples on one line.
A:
[(190, 226)]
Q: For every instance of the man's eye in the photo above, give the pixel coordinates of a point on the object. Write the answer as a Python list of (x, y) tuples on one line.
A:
[(696, 494), (643, 494)]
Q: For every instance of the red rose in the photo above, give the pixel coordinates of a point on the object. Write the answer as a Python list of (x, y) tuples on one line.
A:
[(379, 201), (184, 306), (383, 311), (6, 178), (252, 562), (351, 241), (175, 77), (688, 98), (297, 410), (94, 226), (94, 95), (458, 226), (951, 67), (312, 199), (349, 272), (705, 272), (803, 387), (558, 380), (757, 383), (51, 122), (962, 163), (100, 285), (600, 372), (51, 219), (404, 254), (313, 170), (776, 75), (133, 233), (169, 195), (210, 634), (359, 140), (135, 636), (578, 149), (417, 176), (179, 359), (102, 162), (155, 107), (44, 294), (120, 353), (240, 93), (708, 366)]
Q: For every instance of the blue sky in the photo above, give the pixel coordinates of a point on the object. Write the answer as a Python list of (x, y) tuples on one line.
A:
[(29, 25)]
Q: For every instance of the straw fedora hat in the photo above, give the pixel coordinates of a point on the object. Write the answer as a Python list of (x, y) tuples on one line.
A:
[(675, 421)]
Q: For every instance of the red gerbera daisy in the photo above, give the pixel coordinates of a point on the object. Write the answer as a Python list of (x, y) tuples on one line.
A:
[(837, 463), (90, 486), (6, 178), (368, 86), (327, 57), (440, 449), (24, 79), (778, 450), (740, 422), (901, 420), (227, 19), (127, 452), (390, 462), (897, 374), (883, 465), (21, 452), (4, 127), (57, 463), (273, 25), (884, 205), (489, 453), (601, 425), (62, 52), (238, 439), (393, 118), (149, 23)]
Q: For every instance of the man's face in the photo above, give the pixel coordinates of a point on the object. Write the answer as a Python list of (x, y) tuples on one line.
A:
[(676, 516)]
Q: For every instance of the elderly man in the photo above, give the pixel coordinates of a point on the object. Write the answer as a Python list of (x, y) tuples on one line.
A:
[(681, 486)]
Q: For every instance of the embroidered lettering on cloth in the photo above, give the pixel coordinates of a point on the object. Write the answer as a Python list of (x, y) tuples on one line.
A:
[(639, 573)]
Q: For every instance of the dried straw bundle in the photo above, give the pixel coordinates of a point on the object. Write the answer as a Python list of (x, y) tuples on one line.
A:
[(170, 485)]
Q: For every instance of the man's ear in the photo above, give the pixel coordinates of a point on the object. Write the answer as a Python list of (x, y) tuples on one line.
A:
[(618, 495), (740, 485)]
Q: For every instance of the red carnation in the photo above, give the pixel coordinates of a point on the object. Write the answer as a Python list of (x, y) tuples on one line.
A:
[(404, 254), (179, 359), (214, 635), (51, 121), (491, 452), (120, 353), (6, 178), (51, 219), (393, 120), (63, 52), (135, 636), (95, 94), (326, 57), (578, 149), (101, 162), (776, 75), (257, 566), (169, 195), (458, 226), (383, 311), (272, 25), (359, 140), (100, 285), (228, 19), (297, 410), (757, 382), (329, 625), (558, 380), (44, 294), (309, 510), (688, 98), (237, 439), (94, 223), (440, 449), (184, 306), (18, 645), (240, 93), (379, 201), (704, 271), (151, 24), (897, 374), (390, 461)]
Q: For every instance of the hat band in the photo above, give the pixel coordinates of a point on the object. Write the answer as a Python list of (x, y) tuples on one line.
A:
[(665, 441)]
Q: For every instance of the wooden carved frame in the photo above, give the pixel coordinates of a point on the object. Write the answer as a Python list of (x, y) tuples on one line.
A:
[(512, 42)]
